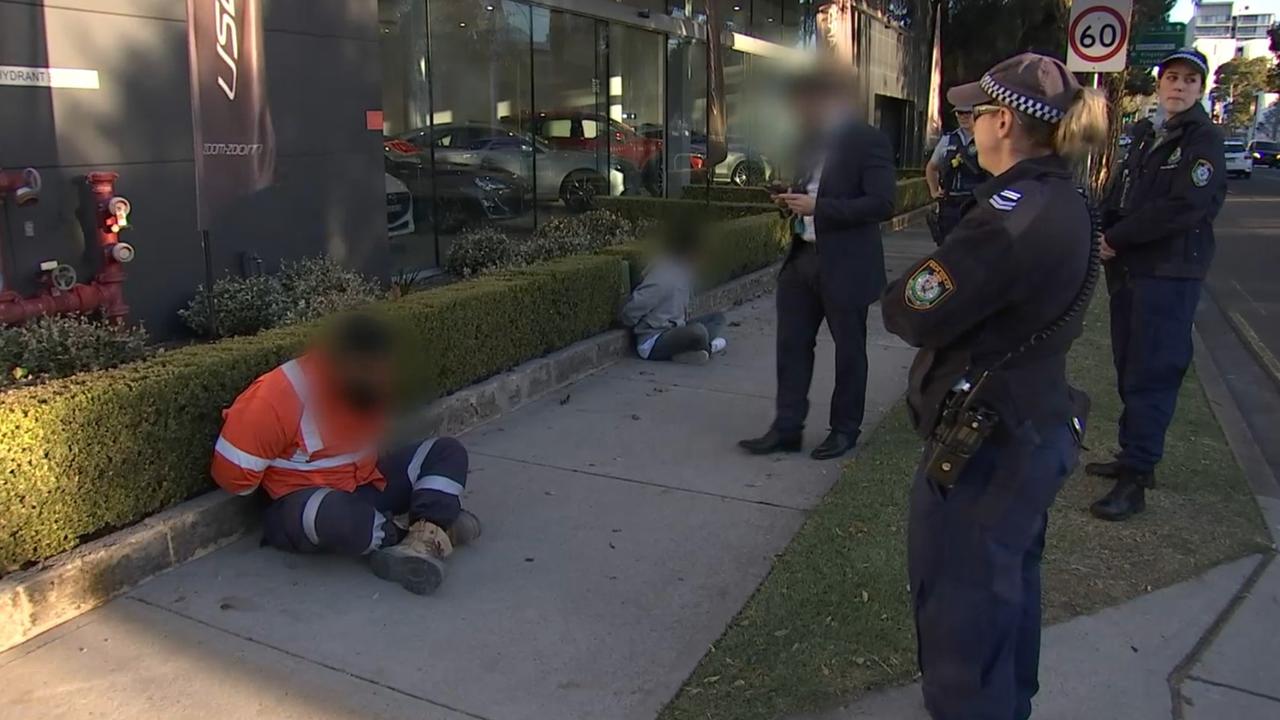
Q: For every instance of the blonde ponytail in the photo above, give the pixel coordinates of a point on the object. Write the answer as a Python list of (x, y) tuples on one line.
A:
[(1085, 126)]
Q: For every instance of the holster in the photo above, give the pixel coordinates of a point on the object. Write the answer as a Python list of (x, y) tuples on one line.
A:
[(957, 438), (935, 228)]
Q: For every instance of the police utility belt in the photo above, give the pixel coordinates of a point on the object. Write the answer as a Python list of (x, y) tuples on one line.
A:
[(965, 423)]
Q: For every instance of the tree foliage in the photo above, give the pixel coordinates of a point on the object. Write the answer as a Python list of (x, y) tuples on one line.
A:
[(1237, 83)]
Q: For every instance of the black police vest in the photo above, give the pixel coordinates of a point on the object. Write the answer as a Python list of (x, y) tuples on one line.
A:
[(963, 173)]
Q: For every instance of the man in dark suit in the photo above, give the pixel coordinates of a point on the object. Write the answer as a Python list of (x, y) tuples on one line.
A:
[(835, 267)]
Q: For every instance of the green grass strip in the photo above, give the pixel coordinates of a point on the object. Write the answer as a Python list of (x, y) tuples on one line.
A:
[(833, 619)]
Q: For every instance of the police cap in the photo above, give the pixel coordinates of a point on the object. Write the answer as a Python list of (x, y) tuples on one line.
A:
[(1032, 84), (1190, 56)]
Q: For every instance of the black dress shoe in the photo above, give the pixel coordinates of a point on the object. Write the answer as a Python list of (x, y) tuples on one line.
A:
[(1126, 499), (836, 444), (772, 442)]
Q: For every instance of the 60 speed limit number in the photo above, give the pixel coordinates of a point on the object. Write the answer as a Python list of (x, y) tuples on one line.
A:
[(1098, 35)]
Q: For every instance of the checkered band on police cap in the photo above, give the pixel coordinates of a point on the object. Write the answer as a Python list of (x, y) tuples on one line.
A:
[(1035, 85), (1190, 55), (1024, 104)]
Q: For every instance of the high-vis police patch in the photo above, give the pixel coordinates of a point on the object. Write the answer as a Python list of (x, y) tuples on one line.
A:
[(930, 285), (1201, 173)]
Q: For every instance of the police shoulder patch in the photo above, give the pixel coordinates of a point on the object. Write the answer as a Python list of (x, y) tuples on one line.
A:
[(1201, 173), (928, 286)]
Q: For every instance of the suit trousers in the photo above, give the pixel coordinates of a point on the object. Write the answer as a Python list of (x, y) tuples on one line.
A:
[(804, 301)]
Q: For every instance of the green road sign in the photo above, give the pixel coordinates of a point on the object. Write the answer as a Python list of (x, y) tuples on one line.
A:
[(1155, 42)]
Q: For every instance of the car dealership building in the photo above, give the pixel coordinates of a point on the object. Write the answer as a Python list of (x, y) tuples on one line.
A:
[(398, 123)]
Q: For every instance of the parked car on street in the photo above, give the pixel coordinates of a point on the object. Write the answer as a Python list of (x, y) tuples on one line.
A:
[(570, 176), (453, 195), (1239, 163), (1265, 152)]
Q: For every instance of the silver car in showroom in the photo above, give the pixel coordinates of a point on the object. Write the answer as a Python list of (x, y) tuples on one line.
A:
[(571, 176)]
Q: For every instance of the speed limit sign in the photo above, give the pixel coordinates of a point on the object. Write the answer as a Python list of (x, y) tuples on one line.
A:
[(1098, 35)]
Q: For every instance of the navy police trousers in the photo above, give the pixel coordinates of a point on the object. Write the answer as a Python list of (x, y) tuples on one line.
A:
[(425, 480), (1151, 321), (974, 555)]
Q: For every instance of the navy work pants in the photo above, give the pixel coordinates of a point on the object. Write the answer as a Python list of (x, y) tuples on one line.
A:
[(1151, 320), (424, 479), (974, 555)]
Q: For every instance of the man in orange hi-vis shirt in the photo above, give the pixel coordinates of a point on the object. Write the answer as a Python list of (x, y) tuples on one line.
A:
[(308, 433)]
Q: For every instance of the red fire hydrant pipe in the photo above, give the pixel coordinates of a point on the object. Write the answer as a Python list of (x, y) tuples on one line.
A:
[(105, 293)]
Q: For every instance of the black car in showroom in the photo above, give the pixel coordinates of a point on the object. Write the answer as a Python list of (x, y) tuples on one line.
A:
[(454, 195)]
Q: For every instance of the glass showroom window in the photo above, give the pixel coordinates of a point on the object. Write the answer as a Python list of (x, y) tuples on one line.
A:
[(686, 143), (635, 120), (569, 122), (485, 161), (406, 105)]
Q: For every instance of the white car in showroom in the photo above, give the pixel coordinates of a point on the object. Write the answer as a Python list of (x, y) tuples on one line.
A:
[(399, 207), (1239, 162)]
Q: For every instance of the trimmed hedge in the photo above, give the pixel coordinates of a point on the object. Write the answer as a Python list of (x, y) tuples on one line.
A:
[(734, 248), (644, 208), (90, 453), (726, 193)]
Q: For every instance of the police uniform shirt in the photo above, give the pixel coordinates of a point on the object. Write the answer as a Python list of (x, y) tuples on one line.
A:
[(938, 158), (1170, 188), (1011, 267)]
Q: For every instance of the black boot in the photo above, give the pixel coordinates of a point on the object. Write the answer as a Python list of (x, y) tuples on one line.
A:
[(772, 442), (1126, 499), (1111, 469), (836, 444), (1116, 470)]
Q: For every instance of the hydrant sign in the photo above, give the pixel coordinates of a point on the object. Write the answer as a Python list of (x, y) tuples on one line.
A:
[(1098, 35)]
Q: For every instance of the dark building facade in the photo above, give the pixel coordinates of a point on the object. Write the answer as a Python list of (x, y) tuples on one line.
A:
[(494, 112)]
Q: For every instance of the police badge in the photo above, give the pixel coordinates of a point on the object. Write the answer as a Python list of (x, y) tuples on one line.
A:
[(1201, 173), (930, 285)]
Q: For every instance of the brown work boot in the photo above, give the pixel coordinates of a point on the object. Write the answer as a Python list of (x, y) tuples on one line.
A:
[(465, 529), (415, 562)]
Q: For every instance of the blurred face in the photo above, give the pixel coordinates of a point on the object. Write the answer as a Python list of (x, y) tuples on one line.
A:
[(1181, 86), (965, 119), (366, 382), (813, 108)]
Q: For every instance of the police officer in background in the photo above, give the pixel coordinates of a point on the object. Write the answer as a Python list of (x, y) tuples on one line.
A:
[(1002, 425), (952, 173), (1158, 242)]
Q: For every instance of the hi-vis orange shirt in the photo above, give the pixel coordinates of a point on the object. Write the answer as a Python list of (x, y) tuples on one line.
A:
[(291, 430)]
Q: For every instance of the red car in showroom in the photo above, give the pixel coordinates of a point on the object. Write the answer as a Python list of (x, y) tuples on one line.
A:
[(593, 132)]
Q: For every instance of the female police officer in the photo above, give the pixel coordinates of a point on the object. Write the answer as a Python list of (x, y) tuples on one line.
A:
[(1019, 264), (1159, 243)]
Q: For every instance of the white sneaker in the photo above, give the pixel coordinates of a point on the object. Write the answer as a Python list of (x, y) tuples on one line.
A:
[(718, 345), (694, 357)]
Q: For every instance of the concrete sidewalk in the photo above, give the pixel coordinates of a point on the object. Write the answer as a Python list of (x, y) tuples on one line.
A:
[(624, 530)]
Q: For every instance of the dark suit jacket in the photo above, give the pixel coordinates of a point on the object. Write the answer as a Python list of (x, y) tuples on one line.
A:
[(856, 193)]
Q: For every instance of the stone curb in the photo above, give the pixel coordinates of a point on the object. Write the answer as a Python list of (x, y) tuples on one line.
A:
[(36, 600), (1268, 362)]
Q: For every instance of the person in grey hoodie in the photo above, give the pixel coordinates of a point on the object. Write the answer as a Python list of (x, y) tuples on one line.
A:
[(657, 312)]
